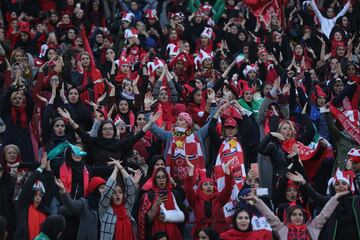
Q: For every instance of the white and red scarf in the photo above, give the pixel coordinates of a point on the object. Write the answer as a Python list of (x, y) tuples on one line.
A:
[(184, 143), (348, 118), (230, 149)]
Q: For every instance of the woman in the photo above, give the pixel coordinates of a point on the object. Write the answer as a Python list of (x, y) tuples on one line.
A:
[(337, 227), (10, 155), (52, 228), (296, 225), (242, 229), (17, 110), (183, 142), (208, 234), (33, 201), (104, 146), (206, 202), (115, 206), (285, 151), (82, 114), (155, 208)]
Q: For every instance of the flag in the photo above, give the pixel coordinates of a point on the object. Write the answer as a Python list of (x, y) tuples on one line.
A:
[(268, 8)]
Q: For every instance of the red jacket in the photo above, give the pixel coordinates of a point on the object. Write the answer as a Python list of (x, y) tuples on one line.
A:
[(218, 200)]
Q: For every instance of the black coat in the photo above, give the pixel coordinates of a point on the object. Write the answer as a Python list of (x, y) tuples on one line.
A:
[(25, 198), (7, 209)]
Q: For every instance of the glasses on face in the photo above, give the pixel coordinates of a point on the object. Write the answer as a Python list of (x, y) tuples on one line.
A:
[(161, 177), (163, 94), (107, 129)]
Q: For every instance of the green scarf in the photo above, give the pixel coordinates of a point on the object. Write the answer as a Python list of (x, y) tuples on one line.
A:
[(56, 151), (42, 236), (254, 106)]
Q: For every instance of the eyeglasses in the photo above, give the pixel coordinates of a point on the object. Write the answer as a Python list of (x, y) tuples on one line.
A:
[(163, 94), (160, 177), (107, 129)]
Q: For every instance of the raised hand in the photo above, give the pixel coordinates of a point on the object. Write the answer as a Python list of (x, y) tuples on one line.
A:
[(155, 116), (277, 135), (64, 113), (41, 98), (60, 185), (341, 194), (228, 166), (43, 161), (297, 177), (211, 95)]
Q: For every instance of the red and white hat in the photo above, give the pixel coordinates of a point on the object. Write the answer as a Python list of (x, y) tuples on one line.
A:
[(124, 61), (128, 17), (151, 14), (172, 49), (353, 116), (354, 155), (345, 176), (205, 8), (129, 33), (208, 32), (248, 68), (201, 57), (152, 66)]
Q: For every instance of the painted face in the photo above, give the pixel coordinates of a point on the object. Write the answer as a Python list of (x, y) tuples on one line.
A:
[(59, 128), (54, 81), (107, 131), (73, 96), (341, 186), (286, 131), (161, 180), (297, 217), (207, 188), (243, 221), (291, 194), (123, 106), (11, 155), (117, 196)]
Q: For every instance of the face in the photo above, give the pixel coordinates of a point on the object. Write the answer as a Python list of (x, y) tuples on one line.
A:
[(18, 56), (330, 13), (179, 65), (242, 37), (134, 6), (286, 131), (267, 89), (340, 51), (203, 236), (128, 87), (333, 63), (102, 188), (313, 75), (107, 131), (159, 164), (187, 47), (17, 99), (79, 43), (163, 96), (141, 120), (180, 122), (223, 65), (321, 101), (297, 217), (299, 50), (173, 35), (73, 95), (204, 40), (54, 81), (341, 186), (161, 180), (117, 196), (110, 55), (338, 37), (11, 155), (51, 53), (351, 71), (338, 87), (230, 131), (37, 198), (123, 106), (198, 97), (198, 18), (251, 74), (54, 18), (243, 221), (59, 128), (207, 63), (125, 68), (24, 36), (355, 166), (66, 19), (207, 188), (85, 60), (248, 96), (199, 84), (274, 21), (291, 194)]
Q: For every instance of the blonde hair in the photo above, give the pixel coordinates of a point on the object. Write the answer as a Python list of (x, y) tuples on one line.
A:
[(7, 147), (292, 127)]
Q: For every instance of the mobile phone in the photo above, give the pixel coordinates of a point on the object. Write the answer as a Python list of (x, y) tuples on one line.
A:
[(163, 192), (262, 192)]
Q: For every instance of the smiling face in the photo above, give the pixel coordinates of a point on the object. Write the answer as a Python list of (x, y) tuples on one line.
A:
[(297, 217), (180, 122), (243, 221), (107, 131), (11, 154)]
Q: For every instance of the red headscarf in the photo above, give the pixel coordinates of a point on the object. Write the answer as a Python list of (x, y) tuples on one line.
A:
[(234, 234)]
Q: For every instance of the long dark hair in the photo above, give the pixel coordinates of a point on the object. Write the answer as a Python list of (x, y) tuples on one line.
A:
[(211, 233), (240, 210)]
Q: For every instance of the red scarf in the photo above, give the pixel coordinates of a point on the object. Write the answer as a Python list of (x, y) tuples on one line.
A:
[(306, 155), (233, 234), (123, 228), (298, 232), (23, 117), (184, 144), (167, 116), (66, 178), (35, 219), (356, 97), (348, 125)]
